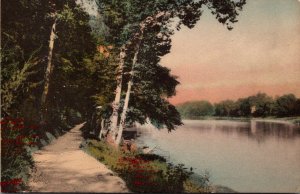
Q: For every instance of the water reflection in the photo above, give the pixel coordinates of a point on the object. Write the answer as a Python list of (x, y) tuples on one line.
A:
[(261, 130), (255, 129), (265, 154)]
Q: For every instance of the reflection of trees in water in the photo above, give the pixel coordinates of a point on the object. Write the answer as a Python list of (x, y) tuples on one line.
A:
[(258, 130), (203, 127), (236, 129), (261, 130)]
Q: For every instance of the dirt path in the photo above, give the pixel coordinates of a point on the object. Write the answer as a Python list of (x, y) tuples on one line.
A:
[(63, 167)]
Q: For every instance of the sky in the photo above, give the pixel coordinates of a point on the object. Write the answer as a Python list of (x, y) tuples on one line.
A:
[(261, 54)]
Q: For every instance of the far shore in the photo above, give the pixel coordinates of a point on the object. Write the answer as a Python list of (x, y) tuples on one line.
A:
[(287, 120)]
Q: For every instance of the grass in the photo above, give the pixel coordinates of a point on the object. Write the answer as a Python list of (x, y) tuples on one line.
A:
[(145, 173)]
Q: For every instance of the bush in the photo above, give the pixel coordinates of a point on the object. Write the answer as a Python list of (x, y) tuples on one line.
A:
[(176, 176), (139, 175), (16, 158), (151, 157), (144, 173)]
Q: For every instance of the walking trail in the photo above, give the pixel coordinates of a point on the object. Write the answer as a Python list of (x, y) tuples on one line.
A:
[(63, 167)]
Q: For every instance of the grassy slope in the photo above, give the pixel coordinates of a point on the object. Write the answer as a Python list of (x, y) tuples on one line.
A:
[(157, 179)]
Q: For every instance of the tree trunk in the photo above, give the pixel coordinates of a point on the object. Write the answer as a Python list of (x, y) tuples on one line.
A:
[(127, 98), (101, 128), (48, 71), (116, 103), (151, 20)]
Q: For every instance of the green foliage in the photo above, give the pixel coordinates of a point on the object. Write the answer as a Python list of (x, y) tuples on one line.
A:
[(151, 157), (146, 173), (78, 74), (16, 159), (20, 62), (226, 108), (195, 109), (103, 152), (83, 78), (13, 88), (176, 176), (152, 83), (259, 105), (286, 105)]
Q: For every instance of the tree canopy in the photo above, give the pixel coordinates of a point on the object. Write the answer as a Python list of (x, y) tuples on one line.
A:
[(58, 67), (123, 20), (259, 105)]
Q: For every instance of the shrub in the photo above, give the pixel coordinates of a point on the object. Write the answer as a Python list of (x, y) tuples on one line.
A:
[(176, 176), (16, 158), (144, 173), (151, 157)]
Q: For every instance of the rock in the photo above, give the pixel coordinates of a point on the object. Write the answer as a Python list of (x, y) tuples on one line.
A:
[(222, 189)]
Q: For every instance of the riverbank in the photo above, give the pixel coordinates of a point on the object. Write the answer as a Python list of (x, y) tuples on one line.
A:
[(292, 120), (146, 172)]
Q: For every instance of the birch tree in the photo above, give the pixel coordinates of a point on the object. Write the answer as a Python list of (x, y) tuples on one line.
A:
[(60, 13), (49, 70), (116, 103), (126, 17), (149, 21)]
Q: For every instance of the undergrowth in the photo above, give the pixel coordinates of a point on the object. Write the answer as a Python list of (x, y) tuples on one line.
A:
[(144, 173), (19, 139)]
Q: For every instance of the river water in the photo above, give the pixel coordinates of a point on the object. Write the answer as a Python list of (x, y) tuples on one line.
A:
[(255, 156)]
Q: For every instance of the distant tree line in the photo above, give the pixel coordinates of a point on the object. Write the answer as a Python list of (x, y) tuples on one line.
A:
[(259, 105)]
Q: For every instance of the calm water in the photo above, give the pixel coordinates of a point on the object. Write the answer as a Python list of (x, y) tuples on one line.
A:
[(245, 156)]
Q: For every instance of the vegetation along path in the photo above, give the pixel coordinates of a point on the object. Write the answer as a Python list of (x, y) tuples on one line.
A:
[(62, 167)]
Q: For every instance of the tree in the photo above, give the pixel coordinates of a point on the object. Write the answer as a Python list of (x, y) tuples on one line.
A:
[(149, 21), (49, 68), (26, 27), (225, 108), (123, 18), (20, 49), (245, 107), (285, 105), (196, 109), (297, 107), (22, 45), (60, 13), (263, 105)]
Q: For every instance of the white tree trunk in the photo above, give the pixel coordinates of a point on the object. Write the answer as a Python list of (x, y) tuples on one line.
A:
[(116, 103), (151, 20), (123, 117), (48, 70), (101, 128), (127, 98)]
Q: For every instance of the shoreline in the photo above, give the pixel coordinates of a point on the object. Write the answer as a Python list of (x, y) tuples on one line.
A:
[(195, 178), (215, 188), (155, 170), (287, 120)]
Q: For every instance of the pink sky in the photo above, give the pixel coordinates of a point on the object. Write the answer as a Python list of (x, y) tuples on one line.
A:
[(261, 54)]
